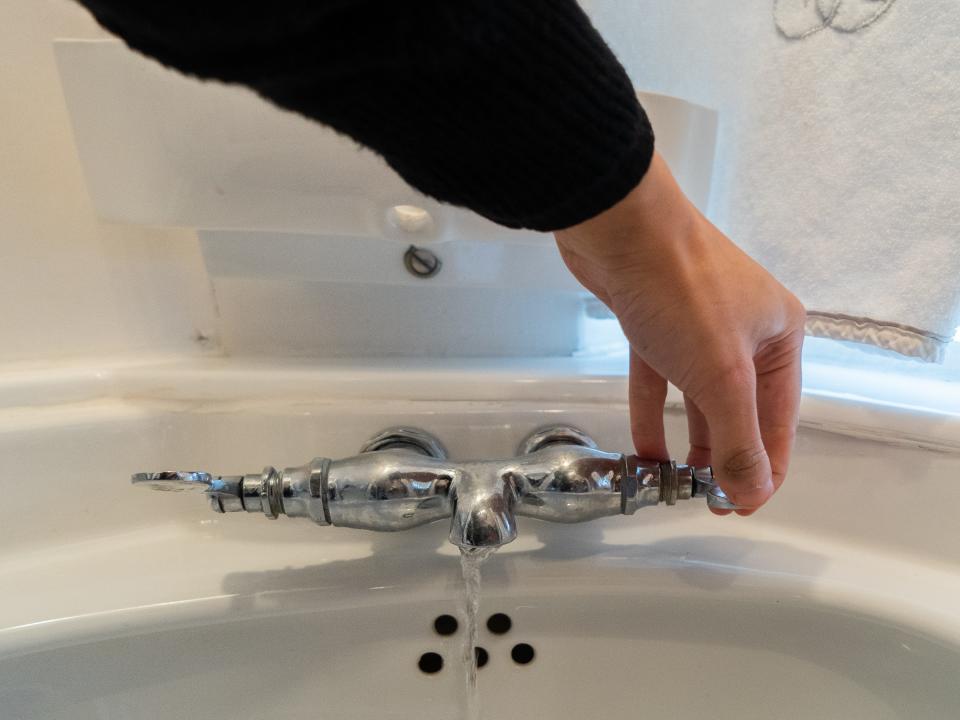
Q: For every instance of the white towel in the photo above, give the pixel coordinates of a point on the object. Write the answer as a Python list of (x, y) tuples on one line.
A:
[(838, 156)]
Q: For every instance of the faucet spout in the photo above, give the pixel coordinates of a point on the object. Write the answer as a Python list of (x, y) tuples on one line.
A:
[(483, 510)]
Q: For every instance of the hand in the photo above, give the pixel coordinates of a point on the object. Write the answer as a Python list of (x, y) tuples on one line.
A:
[(700, 313)]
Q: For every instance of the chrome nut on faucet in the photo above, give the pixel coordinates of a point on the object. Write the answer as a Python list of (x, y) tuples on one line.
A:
[(403, 479)]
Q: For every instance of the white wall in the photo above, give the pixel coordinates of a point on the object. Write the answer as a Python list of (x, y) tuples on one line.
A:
[(71, 285)]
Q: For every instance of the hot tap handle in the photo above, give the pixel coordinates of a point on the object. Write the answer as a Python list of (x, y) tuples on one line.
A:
[(703, 484), (652, 482)]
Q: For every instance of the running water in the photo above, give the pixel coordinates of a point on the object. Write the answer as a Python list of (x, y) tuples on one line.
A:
[(470, 561)]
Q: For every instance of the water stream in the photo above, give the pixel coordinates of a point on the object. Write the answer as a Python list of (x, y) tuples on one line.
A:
[(470, 562)]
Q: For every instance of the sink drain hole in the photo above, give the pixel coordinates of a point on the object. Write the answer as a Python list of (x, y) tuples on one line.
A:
[(483, 657), (431, 663), (499, 624), (522, 653), (446, 625)]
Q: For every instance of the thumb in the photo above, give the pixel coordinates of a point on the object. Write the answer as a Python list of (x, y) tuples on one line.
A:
[(740, 462)]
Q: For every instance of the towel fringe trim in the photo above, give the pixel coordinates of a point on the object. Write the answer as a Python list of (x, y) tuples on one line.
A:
[(902, 339)]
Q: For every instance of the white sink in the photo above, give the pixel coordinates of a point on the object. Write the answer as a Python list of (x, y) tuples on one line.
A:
[(125, 604)]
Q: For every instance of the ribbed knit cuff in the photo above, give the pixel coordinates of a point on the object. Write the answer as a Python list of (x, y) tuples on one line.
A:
[(516, 109), (603, 193)]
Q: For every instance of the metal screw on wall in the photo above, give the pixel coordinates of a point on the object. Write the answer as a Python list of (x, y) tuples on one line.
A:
[(421, 262)]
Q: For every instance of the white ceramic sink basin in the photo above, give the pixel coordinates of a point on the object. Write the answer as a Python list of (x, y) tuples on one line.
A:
[(130, 605), (682, 626)]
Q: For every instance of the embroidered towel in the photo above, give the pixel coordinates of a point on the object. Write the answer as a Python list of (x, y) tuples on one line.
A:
[(838, 155)]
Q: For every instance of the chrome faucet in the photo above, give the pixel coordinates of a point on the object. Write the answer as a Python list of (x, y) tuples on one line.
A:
[(402, 479)]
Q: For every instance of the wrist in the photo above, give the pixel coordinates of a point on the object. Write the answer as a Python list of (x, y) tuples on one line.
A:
[(653, 217)]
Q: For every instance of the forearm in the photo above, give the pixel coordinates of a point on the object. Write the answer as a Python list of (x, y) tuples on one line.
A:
[(517, 110)]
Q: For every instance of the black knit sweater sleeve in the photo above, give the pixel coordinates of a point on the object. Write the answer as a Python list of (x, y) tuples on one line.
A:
[(516, 109)]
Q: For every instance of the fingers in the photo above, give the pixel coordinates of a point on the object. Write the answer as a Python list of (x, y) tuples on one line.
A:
[(778, 403), (699, 433), (648, 392), (740, 462)]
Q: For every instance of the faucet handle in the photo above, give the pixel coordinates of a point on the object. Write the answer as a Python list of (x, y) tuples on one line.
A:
[(651, 482), (173, 480), (226, 493), (703, 484)]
